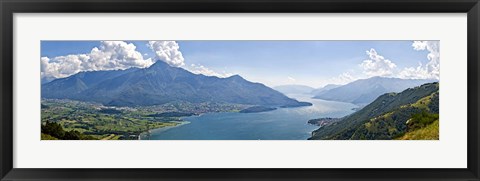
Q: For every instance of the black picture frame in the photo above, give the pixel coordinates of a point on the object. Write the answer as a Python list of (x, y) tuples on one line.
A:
[(9, 7)]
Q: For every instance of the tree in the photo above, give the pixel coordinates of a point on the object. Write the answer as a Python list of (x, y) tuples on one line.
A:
[(53, 129)]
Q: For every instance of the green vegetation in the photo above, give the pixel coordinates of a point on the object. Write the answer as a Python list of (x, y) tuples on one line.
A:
[(54, 131), (110, 111), (390, 116), (70, 120), (171, 114), (183, 108), (421, 120), (47, 137), (430, 132), (323, 121), (255, 109)]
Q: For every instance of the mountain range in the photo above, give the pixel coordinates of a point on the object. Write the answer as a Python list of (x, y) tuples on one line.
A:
[(364, 91), (162, 83)]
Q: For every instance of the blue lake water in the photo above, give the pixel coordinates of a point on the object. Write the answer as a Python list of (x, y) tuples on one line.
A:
[(280, 124)]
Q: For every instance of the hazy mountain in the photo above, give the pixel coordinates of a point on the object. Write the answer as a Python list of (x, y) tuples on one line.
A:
[(324, 88), (45, 80), (294, 89), (161, 83), (75, 84), (364, 91), (390, 116)]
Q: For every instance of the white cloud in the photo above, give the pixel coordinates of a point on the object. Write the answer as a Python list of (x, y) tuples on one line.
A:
[(200, 69), (167, 51), (291, 79), (343, 78), (431, 70), (415, 73), (117, 54), (110, 55), (377, 65)]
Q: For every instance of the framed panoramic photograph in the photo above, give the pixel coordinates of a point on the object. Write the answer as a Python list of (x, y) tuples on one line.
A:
[(239, 90)]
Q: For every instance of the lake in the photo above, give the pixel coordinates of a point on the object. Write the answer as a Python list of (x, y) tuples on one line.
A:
[(280, 124)]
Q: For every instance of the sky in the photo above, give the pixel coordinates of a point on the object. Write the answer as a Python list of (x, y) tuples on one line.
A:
[(311, 63)]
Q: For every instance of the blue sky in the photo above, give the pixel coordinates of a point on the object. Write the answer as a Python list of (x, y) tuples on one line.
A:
[(312, 63)]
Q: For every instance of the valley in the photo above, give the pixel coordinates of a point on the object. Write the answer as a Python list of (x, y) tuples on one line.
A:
[(95, 121)]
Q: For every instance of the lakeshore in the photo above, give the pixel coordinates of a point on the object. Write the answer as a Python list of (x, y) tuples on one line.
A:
[(278, 124), (144, 135)]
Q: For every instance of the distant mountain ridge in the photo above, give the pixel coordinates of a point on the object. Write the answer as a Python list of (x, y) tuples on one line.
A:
[(161, 83), (294, 89), (324, 88), (364, 91)]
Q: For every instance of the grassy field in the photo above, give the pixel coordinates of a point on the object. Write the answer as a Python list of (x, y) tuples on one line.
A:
[(430, 132)]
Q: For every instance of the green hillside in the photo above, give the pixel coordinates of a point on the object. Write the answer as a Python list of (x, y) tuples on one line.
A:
[(430, 132), (390, 116)]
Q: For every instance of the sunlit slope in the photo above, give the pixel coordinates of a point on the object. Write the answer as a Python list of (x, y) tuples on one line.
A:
[(390, 116)]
